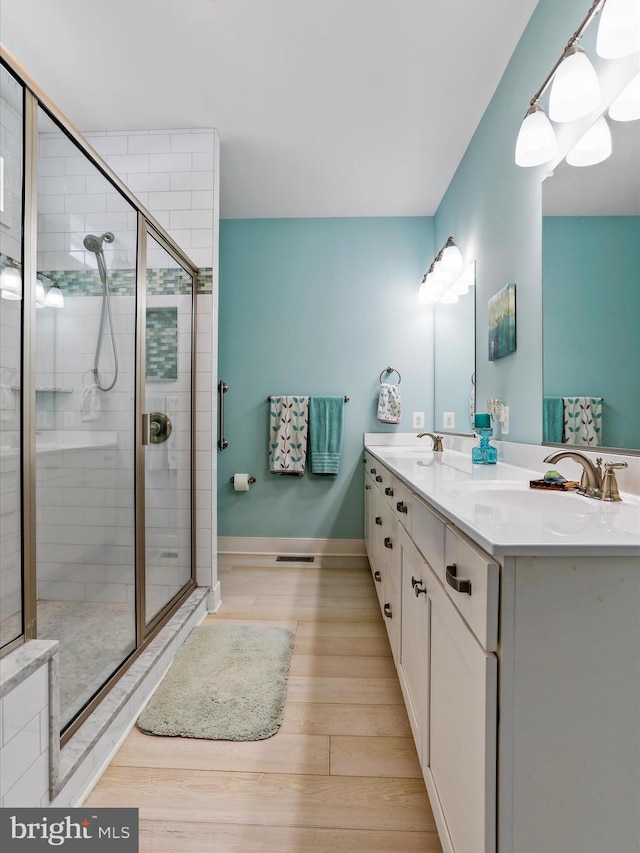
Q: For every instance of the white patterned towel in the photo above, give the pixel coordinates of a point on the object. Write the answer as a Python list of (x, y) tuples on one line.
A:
[(583, 421), (288, 426), (389, 404)]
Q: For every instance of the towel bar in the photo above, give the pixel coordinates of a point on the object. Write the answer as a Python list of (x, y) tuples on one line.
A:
[(346, 398)]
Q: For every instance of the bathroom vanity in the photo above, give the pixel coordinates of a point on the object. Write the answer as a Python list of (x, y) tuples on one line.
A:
[(514, 621)]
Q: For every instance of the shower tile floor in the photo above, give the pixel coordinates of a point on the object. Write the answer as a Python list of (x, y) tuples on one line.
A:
[(95, 637)]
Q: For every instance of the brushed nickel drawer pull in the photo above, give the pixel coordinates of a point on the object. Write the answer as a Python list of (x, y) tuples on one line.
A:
[(387, 611), (378, 479), (389, 491), (455, 582), (377, 576), (372, 471), (379, 520), (388, 543), (418, 589), (401, 506)]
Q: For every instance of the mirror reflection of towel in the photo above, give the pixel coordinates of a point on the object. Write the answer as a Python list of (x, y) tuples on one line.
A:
[(583, 421)]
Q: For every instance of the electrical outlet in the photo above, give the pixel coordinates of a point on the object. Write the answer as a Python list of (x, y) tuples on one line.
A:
[(504, 427), (418, 420), (69, 419), (448, 420)]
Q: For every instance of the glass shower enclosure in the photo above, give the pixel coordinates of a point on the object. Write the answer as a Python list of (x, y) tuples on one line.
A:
[(97, 308)]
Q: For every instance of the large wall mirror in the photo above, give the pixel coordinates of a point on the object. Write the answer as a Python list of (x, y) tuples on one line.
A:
[(591, 297), (454, 363)]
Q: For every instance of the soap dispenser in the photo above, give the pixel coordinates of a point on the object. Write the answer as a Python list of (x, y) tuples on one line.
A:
[(484, 453)]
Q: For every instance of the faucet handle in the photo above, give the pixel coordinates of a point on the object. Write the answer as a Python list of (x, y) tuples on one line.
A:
[(609, 483)]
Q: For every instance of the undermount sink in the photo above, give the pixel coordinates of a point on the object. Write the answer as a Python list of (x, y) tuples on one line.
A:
[(515, 495)]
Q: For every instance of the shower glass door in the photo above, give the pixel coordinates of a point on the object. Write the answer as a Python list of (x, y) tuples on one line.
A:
[(84, 354), (167, 438)]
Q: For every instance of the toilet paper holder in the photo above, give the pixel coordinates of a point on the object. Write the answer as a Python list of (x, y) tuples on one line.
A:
[(251, 480)]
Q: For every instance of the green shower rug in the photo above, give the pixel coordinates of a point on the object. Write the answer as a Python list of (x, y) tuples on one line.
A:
[(225, 683)]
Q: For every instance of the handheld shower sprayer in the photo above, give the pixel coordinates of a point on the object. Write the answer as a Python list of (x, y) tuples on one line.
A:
[(93, 244)]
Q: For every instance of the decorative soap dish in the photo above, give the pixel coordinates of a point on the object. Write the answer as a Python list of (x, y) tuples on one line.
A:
[(554, 485)]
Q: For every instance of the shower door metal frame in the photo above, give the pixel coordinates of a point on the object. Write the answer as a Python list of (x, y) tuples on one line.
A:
[(145, 229), (34, 98)]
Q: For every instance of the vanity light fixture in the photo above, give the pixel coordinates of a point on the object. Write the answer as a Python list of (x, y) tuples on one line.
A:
[(619, 29), (626, 106), (54, 297), (593, 147), (11, 284), (575, 90), (447, 278)]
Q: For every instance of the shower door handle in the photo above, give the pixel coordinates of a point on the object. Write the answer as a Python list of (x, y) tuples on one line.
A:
[(156, 427)]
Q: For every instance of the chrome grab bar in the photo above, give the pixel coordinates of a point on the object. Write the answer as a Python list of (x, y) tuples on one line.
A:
[(222, 390)]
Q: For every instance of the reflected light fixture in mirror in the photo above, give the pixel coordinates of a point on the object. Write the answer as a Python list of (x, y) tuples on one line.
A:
[(626, 106), (575, 90), (11, 284), (447, 278), (594, 147), (54, 297)]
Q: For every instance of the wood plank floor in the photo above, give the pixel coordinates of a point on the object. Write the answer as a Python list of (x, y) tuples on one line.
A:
[(341, 774)]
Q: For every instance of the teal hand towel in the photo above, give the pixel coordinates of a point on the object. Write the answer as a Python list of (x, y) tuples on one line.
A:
[(553, 419), (326, 415)]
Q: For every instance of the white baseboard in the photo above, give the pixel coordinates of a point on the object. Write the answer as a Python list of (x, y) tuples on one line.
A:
[(259, 550)]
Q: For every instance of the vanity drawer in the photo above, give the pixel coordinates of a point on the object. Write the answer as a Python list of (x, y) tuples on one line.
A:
[(472, 583), (402, 504), (427, 531)]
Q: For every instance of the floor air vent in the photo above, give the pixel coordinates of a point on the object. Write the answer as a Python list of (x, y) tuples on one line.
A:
[(286, 558)]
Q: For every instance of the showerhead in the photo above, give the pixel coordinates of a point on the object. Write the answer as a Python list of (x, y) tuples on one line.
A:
[(94, 244)]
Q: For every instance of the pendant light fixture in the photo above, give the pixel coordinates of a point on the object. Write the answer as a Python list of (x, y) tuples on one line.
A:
[(626, 106), (536, 143), (575, 90), (593, 147), (11, 284), (619, 29), (54, 297)]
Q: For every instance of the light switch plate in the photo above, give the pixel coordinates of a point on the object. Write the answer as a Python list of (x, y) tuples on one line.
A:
[(448, 420)]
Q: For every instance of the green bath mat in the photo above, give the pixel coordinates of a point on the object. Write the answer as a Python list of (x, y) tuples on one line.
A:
[(226, 683)]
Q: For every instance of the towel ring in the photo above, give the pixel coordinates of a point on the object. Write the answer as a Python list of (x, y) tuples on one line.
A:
[(391, 370)]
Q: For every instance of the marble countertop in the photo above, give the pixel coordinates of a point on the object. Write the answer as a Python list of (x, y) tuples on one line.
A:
[(496, 508)]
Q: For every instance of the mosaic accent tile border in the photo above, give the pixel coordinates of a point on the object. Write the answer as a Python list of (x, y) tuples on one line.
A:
[(122, 281)]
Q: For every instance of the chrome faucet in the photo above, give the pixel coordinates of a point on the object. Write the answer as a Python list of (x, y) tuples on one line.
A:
[(593, 483), (437, 440)]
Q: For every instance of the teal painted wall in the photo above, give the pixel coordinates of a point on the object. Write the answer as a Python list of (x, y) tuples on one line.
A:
[(316, 306), (493, 209), (591, 270)]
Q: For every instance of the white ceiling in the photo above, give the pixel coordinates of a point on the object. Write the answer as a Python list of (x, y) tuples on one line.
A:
[(324, 107)]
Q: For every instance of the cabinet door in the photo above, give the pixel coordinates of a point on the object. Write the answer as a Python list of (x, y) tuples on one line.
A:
[(414, 640), (461, 746)]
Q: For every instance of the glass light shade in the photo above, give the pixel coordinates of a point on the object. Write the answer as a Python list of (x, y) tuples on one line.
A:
[(11, 283), (451, 260), (619, 29), (626, 106), (593, 147), (54, 298), (40, 294), (575, 91), (536, 143)]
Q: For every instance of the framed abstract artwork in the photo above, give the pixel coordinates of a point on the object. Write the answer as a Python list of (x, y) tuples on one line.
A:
[(502, 322)]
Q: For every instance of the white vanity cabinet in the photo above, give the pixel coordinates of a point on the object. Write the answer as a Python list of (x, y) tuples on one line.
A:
[(520, 672)]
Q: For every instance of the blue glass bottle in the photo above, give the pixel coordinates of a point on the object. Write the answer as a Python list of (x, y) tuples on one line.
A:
[(484, 453)]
